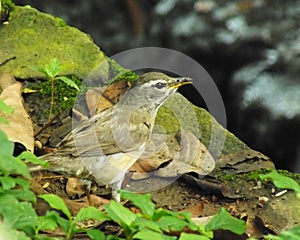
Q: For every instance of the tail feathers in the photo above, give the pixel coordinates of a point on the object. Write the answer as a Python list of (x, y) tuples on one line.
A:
[(62, 163)]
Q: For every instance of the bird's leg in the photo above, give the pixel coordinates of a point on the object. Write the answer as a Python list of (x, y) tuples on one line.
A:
[(115, 192), (87, 185), (88, 194)]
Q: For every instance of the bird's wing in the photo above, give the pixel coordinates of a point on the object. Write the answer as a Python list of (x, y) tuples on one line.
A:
[(98, 136), (91, 137)]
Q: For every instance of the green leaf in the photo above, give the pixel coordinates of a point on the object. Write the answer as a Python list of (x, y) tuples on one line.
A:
[(7, 232), (38, 69), (142, 201), (68, 81), (91, 213), (159, 213), (291, 234), (53, 68), (5, 108), (202, 231), (162, 212), (111, 237), (23, 194), (149, 235), (30, 157), (145, 224), (8, 163), (63, 223), (8, 186), (281, 181), (168, 223), (118, 213), (190, 236), (18, 215), (12, 165), (44, 237), (22, 182), (7, 147), (7, 183), (56, 203), (95, 234), (223, 220), (46, 223)]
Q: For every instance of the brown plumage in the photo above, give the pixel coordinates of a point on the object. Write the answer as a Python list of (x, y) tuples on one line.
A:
[(109, 143)]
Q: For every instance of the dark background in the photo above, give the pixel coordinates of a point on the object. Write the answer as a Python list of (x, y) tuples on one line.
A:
[(251, 48)]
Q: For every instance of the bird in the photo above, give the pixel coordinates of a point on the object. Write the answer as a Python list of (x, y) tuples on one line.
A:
[(110, 142)]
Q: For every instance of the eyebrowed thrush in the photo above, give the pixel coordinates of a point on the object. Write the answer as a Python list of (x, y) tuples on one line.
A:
[(110, 142)]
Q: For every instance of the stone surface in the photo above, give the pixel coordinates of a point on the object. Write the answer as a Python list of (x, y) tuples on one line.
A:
[(32, 38)]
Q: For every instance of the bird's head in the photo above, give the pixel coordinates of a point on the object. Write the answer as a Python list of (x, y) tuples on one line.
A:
[(156, 87)]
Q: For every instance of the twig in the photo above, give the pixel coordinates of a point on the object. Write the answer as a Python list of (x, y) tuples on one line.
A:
[(46, 125), (52, 99), (7, 60)]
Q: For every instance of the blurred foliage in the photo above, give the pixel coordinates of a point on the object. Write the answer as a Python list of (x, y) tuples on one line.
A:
[(6, 6)]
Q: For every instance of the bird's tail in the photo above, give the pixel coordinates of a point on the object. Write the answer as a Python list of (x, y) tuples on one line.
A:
[(62, 163)]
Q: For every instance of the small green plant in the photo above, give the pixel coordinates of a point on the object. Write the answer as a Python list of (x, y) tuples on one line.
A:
[(5, 6), (152, 223), (149, 223), (51, 72), (281, 181), (292, 234), (284, 182), (70, 225), (17, 214)]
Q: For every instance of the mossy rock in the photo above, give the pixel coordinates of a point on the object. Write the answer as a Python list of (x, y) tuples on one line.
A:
[(32, 38), (179, 113)]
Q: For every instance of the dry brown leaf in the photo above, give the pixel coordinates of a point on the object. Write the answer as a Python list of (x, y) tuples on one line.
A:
[(99, 99), (159, 150), (195, 210), (164, 157), (20, 127), (74, 187), (192, 157)]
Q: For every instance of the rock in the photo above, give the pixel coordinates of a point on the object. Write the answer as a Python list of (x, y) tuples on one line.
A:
[(32, 38)]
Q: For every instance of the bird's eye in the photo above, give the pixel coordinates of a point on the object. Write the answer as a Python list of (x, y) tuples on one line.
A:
[(160, 85)]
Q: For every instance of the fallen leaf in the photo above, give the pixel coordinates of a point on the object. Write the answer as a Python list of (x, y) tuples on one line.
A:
[(165, 157), (192, 157), (159, 150), (74, 187), (195, 210), (99, 99), (20, 127)]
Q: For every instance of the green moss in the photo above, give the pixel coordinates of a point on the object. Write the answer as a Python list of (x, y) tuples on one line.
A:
[(64, 96), (6, 6), (118, 73), (295, 176), (179, 113), (61, 22), (33, 38), (167, 121), (254, 175)]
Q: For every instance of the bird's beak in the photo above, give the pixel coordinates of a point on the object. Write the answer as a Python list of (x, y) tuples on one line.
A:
[(180, 82)]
